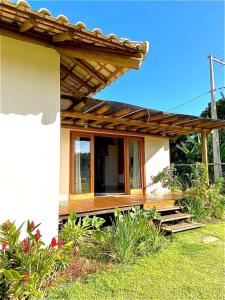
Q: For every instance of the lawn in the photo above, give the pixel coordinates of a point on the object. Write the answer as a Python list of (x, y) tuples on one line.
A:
[(187, 269)]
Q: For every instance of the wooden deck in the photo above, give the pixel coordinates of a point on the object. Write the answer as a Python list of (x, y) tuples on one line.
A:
[(107, 204)]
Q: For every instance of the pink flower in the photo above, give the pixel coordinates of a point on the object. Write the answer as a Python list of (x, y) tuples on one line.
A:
[(25, 245), (4, 245), (60, 243), (37, 235), (53, 242)]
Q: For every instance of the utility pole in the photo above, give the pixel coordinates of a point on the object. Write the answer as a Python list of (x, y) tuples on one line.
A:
[(215, 134)]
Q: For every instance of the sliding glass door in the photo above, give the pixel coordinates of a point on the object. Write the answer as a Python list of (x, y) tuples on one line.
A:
[(105, 164), (81, 162)]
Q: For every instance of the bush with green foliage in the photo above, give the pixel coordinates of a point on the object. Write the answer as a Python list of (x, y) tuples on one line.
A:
[(133, 233), (202, 200), (168, 179), (28, 268), (79, 229)]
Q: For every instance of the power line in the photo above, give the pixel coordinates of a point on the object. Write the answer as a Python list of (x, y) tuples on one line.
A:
[(193, 99)]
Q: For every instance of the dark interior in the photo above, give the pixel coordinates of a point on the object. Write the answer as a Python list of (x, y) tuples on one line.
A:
[(109, 165)]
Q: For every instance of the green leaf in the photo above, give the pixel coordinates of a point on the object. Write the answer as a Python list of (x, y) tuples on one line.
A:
[(12, 274)]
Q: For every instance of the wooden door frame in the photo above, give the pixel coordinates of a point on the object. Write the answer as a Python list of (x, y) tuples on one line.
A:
[(92, 135)]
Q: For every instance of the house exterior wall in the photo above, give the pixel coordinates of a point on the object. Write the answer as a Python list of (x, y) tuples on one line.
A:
[(29, 134), (157, 157), (64, 163)]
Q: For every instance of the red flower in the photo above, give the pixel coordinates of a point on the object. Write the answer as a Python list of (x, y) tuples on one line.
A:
[(60, 243), (31, 225), (4, 246), (26, 277), (25, 245), (53, 242), (37, 235), (5, 224)]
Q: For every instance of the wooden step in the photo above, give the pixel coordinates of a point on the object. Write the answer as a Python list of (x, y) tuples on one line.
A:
[(174, 217), (181, 227), (151, 204), (167, 208)]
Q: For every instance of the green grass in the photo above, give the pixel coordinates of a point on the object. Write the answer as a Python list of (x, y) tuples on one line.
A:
[(186, 269)]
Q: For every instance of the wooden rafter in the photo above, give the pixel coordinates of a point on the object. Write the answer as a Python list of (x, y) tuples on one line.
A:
[(127, 122), (78, 79), (92, 71), (168, 119), (64, 36), (78, 106), (138, 115), (27, 25)]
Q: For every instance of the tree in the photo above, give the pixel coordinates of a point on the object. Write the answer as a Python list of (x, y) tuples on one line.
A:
[(186, 149)]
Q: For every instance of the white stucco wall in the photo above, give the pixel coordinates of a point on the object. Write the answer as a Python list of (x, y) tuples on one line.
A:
[(157, 157), (64, 163), (29, 134)]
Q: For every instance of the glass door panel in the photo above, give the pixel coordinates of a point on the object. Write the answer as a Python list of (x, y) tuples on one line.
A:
[(82, 165), (134, 164)]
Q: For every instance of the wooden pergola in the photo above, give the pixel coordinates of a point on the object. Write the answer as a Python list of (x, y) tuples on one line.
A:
[(118, 118), (91, 113)]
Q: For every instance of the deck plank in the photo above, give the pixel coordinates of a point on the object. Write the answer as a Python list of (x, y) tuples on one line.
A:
[(104, 203)]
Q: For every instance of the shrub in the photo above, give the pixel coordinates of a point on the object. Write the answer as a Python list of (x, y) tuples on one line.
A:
[(168, 178), (133, 233), (28, 267), (79, 230), (202, 200)]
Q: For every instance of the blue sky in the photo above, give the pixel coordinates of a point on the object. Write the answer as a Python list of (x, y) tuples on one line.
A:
[(181, 35)]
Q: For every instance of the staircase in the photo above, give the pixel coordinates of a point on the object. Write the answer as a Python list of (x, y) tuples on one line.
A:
[(173, 220)]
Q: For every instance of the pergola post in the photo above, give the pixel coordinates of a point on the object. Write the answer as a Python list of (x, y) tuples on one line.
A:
[(204, 149)]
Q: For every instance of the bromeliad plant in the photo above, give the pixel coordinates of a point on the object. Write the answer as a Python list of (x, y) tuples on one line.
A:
[(28, 268)]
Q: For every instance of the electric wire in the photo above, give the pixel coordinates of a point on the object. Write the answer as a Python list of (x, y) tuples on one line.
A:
[(193, 99)]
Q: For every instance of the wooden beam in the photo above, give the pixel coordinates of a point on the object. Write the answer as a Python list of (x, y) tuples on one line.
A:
[(155, 117), (106, 131), (127, 122), (79, 105), (138, 115), (80, 122), (73, 90), (100, 56), (78, 79), (28, 24), (168, 119), (91, 71), (102, 110), (180, 121), (65, 36), (122, 112)]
